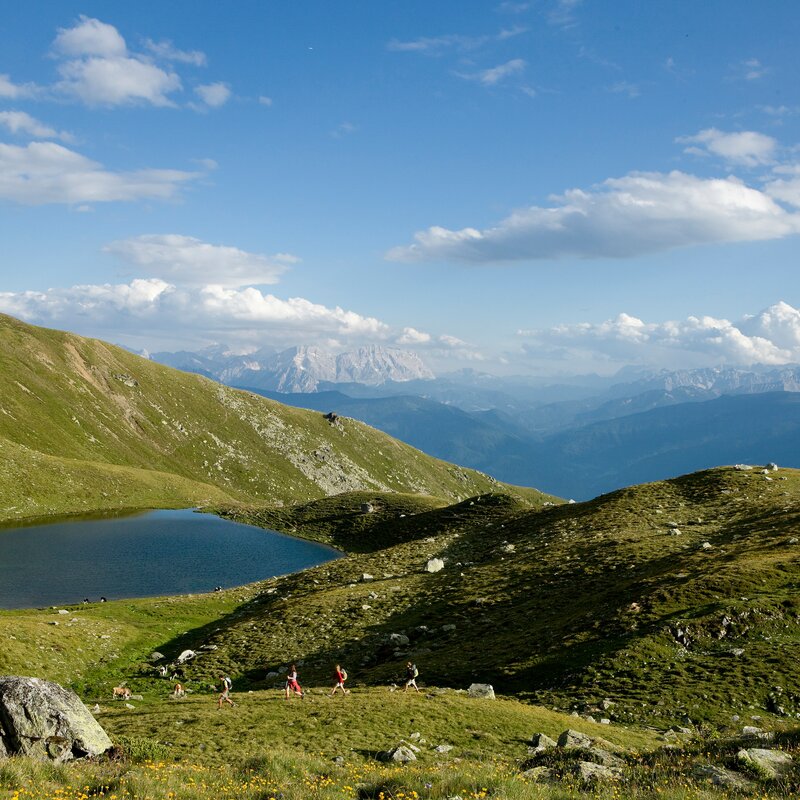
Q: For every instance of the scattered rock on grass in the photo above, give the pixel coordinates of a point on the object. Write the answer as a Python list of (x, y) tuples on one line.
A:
[(590, 773), (752, 732), (570, 738), (541, 742), (772, 763), (398, 755), (540, 774), (719, 776), (482, 690), (434, 565)]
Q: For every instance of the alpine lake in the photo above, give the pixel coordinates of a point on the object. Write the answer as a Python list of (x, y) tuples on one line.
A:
[(147, 554)]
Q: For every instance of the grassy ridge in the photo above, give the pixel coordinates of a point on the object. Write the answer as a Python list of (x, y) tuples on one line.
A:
[(80, 420), (672, 600)]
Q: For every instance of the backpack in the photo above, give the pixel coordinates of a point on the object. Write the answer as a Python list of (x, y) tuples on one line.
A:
[(227, 683), (414, 670), (344, 674)]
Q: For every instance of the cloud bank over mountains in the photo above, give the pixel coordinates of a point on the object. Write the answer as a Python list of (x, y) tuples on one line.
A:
[(771, 336), (199, 292)]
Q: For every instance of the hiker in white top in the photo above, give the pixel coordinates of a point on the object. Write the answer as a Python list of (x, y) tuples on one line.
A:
[(226, 683), (291, 683), (411, 676)]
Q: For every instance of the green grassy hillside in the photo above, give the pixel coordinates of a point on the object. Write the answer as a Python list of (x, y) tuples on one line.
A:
[(663, 604), (660, 603), (85, 425), (671, 600)]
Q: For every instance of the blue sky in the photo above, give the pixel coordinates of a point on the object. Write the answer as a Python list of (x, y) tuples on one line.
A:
[(551, 186)]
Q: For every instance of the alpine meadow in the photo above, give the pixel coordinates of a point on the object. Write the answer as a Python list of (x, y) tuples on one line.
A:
[(399, 401)]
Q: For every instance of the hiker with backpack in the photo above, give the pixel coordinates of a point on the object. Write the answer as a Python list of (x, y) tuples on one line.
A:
[(292, 684), (226, 685), (340, 677), (411, 676)]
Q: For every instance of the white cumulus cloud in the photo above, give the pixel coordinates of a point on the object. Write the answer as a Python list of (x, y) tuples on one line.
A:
[(411, 336), (188, 261), (13, 91), (214, 95), (116, 81), (746, 148), (786, 185), (46, 172), (97, 68), (19, 122), (769, 337), (201, 312), (167, 51), (642, 212), (90, 37)]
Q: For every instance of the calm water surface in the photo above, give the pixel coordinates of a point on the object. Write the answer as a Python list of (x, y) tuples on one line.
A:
[(143, 555)]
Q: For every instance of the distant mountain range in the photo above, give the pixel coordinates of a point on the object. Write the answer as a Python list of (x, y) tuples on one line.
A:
[(300, 369), (576, 437)]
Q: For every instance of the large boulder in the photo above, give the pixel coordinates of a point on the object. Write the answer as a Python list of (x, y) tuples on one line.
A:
[(719, 776), (483, 690), (589, 773), (771, 763), (41, 719)]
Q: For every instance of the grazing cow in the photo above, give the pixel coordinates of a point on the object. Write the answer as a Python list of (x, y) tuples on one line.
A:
[(163, 671), (121, 693), (179, 691)]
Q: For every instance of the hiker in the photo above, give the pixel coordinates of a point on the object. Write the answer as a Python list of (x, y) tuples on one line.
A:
[(292, 684), (226, 684), (411, 676), (340, 678)]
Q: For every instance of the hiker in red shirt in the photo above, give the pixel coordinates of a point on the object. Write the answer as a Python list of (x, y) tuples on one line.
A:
[(340, 678)]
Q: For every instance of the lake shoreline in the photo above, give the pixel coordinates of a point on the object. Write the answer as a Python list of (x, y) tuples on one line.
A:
[(143, 553)]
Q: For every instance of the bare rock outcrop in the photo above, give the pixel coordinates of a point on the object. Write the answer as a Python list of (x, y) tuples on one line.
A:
[(41, 719)]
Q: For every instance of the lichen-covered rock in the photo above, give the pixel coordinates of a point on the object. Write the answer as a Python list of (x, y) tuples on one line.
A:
[(41, 719), (540, 774), (590, 773), (541, 742), (570, 738), (719, 776), (483, 690), (398, 755), (772, 763)]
